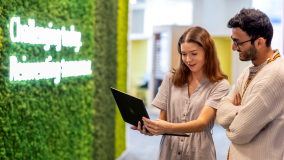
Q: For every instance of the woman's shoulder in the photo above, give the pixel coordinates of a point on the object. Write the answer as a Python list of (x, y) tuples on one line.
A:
[(170, 75), (222, 83)]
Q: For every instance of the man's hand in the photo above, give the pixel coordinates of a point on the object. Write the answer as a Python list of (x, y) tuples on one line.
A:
[(265, 127), (237, 100)]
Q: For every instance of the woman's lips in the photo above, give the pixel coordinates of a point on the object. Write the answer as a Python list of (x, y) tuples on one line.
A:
[(191, 65)]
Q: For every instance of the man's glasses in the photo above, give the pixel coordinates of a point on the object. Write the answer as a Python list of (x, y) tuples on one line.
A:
[(237, 44)]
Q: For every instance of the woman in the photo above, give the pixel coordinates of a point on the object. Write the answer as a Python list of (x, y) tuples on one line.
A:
[(188, 98)]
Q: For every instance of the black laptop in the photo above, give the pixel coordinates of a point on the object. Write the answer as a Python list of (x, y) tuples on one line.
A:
[(132, 109)]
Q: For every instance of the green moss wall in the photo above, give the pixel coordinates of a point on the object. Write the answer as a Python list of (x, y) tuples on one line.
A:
[(40, 119), (122, 29), (105, 77), (110, 70), (76, 118)]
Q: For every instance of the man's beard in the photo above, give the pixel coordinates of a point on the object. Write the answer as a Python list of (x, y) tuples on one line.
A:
[(249, 54)]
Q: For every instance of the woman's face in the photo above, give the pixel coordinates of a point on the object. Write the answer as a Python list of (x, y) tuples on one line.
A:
[(193, 56)]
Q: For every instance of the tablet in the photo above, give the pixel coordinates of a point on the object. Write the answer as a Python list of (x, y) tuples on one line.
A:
[(132, 109)]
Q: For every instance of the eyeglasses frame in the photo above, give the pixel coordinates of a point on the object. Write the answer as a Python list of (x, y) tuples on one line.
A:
[(237, 44)]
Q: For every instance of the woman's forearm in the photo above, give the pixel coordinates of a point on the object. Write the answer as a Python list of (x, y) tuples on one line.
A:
[(188, 127), (197, 125), (163, 115), (161, 125)]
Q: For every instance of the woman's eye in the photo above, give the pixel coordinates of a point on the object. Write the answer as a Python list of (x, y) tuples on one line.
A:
[(183, 54), (194, 53)]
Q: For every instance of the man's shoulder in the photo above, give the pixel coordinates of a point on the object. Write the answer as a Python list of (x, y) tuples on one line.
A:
[(273, 73), (276, 66), (270, 69), (279, 61)]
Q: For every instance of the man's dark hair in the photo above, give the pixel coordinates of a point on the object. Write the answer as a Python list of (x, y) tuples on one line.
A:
[(255, 23)]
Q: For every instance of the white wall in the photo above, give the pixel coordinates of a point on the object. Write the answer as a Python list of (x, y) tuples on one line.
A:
[(213, 15)]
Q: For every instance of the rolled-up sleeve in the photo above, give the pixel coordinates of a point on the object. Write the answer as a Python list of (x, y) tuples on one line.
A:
[(161, 98), (217, 93)]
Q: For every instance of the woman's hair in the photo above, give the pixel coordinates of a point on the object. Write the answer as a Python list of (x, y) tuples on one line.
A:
[(211, 67)]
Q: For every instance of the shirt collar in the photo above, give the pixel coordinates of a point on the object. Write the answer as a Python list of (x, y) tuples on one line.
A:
[(276, 51)]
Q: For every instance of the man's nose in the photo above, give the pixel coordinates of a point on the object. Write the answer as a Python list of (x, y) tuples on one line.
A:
[(234, 47)]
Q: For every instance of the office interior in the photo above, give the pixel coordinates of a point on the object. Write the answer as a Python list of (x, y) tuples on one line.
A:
[(155, 27)]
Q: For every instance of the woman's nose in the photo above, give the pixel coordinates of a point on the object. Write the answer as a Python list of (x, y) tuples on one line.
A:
[(188, 59)]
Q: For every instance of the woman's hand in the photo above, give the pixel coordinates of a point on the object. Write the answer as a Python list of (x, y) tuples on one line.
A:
[(237, 100), (142, 131), (156, 127)]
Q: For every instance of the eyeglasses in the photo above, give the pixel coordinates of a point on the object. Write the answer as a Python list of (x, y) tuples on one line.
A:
[(237, 44)]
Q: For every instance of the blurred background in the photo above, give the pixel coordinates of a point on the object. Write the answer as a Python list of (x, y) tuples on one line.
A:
[(156, 25), (154, 29)]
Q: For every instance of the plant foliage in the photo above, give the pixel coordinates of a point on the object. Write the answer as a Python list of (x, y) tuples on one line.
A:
[(122, 29), (105, 77), (40, 119)]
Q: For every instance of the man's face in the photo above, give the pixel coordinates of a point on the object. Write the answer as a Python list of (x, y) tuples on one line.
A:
[(246, 50)]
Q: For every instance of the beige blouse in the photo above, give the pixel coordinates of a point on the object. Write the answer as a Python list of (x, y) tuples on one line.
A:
[(180, 109)]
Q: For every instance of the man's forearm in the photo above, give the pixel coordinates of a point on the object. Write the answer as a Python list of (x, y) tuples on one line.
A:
[(226, 113)]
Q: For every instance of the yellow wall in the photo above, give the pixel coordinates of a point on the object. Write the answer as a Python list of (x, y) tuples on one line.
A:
[(223, 45), (138, 67)]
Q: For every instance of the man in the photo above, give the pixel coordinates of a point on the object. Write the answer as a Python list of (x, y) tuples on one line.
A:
[(253, 112)]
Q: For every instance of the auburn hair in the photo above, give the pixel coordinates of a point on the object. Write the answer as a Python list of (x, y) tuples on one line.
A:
[(211, 67)]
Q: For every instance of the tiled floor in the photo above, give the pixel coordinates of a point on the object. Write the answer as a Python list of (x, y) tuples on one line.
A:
[(142, 147)]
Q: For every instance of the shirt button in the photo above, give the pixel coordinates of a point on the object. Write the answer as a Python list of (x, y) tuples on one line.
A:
[(186, 102), (183, 114), (181, 140), (178, 153)]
